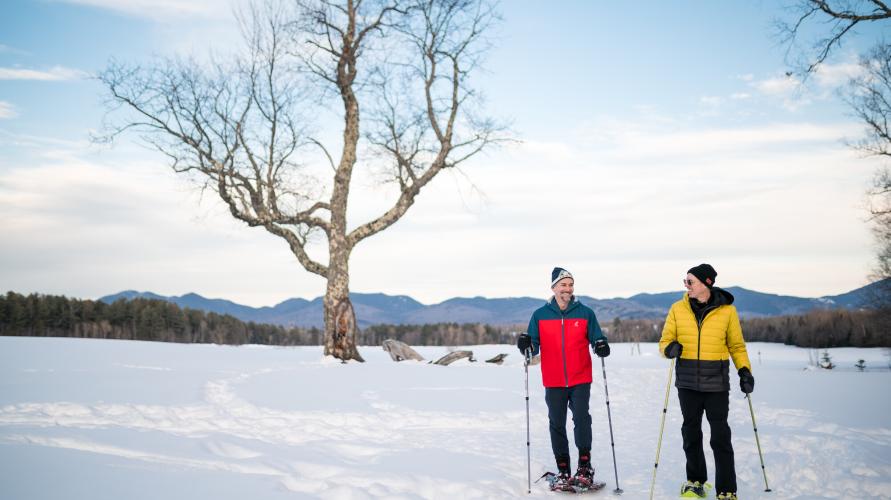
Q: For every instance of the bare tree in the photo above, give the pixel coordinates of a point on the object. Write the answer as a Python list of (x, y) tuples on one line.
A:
[(246, 129), (869, 96)]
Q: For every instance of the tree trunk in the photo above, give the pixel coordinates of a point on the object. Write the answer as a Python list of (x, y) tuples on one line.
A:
[(340, 318)]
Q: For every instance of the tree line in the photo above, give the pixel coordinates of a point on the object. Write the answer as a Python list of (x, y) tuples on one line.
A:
[(138, 319), (157, 320), (816, 329)]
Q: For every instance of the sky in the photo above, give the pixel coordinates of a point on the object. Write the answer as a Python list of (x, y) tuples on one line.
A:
[(649, 138)]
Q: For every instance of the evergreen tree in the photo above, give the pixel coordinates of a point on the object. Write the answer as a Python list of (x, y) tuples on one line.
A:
[(826, 361)]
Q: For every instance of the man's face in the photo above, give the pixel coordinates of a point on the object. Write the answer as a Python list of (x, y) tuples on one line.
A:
[(563, 289), (695, 288)]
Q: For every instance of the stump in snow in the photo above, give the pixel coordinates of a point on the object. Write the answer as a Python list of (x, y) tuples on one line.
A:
[(455, 356), (400, 351), (497, 359)]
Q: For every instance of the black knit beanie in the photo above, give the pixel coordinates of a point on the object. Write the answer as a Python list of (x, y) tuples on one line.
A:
[(704, 273)]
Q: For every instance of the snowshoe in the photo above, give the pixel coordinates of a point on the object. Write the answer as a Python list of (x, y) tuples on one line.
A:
[(695, 489), (727, 496), (563, 482), (559, 482), (592, 485), (584, 476)]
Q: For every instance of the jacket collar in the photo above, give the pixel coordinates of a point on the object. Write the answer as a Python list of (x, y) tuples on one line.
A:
[(573, 303), (721, 298)]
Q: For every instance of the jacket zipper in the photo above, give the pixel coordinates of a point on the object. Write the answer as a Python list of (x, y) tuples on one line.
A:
[(699, 341), (698, 348), (569, 307), (563, 345)]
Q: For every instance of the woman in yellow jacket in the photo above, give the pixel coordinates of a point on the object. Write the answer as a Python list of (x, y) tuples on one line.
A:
[(702, 331)]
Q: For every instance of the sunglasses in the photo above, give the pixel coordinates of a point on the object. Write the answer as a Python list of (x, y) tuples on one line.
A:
[(688, 282)]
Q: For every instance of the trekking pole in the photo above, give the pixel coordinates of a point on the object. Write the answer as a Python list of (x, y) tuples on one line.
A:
[(758, 442), (662, 427), (527, 354), (612, 442)]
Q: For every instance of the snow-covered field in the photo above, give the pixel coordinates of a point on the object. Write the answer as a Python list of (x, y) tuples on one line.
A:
[(95, 419)]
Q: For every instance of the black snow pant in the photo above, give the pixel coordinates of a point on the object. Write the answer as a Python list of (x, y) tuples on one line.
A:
[(576, 398), (716, 406)]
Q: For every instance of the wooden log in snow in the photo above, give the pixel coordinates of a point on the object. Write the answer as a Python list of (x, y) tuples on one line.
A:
[(497, 359), (400, 351), (455, 356)]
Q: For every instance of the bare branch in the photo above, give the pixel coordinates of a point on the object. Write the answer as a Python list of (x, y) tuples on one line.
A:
[(843, 16), (297, 244), (869, 96), (232, 124), (325, 151), (421, 136)]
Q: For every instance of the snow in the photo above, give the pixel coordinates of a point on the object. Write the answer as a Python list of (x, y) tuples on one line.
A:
[(101, 419)]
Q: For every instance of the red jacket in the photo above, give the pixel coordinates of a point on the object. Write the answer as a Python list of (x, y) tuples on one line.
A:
[(563, 338)]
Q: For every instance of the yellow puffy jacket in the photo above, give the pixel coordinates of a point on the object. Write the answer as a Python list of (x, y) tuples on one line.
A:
[(703, 364)]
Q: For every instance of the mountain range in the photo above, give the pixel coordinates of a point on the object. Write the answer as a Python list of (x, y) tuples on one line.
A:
[(378, 308)]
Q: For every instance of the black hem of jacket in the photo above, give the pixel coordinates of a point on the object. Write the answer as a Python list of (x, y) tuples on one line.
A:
[(703, 375)]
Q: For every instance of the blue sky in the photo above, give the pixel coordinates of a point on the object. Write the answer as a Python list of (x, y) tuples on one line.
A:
[(653, 136)]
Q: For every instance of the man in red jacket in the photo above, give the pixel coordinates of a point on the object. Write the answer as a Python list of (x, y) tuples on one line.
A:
[(562, 330)]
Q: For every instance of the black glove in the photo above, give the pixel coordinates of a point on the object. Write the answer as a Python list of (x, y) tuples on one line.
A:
[(674, 349), (601, 348), (524, 342), (746, 380)]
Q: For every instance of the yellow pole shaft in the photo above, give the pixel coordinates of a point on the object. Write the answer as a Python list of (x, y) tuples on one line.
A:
[(662, 427)]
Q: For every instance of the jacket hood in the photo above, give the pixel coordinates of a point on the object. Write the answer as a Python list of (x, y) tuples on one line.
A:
[(721, 297)]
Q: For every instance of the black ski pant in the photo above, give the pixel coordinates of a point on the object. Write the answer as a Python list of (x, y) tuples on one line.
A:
[(716, 406), (576, 398)]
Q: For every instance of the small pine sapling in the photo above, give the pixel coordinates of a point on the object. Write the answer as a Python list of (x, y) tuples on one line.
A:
[(826, 361)]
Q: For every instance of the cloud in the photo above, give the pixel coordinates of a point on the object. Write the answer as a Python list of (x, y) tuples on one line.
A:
[(787, 87), (624, 203), (826, 77), (195, 27), (7, 110), (796, 93), (836, 75), (56, 73), (777, 86), (72, 216), (161, 10), (24, 142), (622, 200), (632, 141)]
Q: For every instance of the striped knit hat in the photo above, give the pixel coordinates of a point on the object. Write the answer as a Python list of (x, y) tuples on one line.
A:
[(558, 274)]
